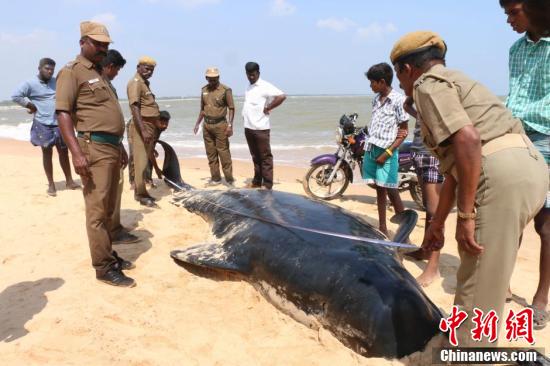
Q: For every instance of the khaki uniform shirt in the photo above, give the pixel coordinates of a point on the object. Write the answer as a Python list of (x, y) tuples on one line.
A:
[(111, 86), (447, 100), (139, 92), (82, 91), (215, 102)]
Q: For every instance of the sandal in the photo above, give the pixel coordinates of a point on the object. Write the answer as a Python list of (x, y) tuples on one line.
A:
[(540, 318)]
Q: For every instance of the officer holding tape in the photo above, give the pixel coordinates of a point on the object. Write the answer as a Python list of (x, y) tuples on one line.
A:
[(498, 177)]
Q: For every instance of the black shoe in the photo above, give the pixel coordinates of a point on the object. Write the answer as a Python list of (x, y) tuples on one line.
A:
[(124, 237), (146, 201), (123, 264), (115, 277)]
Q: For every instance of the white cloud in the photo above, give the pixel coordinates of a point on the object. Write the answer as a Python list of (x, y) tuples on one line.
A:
[(282, 8), (336, 24), (36, 36), (376, 30)]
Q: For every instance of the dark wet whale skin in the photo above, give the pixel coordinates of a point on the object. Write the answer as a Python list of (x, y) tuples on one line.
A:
[(358, 291)]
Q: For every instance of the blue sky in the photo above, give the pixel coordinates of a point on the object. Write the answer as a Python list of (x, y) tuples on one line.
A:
[(303, 47)]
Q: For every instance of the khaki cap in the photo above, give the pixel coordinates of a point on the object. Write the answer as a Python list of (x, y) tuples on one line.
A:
[(212, 72), (95, 31), (414, 42), (146, 60)]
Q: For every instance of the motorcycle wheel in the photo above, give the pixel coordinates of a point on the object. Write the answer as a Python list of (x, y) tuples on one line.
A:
[(315, 178), (416, 194)]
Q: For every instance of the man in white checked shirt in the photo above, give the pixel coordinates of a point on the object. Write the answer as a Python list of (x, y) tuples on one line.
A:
[(381, 162)]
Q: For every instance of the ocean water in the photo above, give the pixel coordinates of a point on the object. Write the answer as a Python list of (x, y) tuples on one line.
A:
[(301, 128)]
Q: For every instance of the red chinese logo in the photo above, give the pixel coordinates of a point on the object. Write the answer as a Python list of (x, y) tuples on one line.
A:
[(485, 326), (451, 323), (520, 325)]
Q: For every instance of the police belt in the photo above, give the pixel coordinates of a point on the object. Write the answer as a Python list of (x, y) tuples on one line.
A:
[(213, 121), (101, 137), (509, 140)]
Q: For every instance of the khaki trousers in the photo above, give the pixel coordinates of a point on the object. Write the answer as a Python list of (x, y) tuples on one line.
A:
[(131, 173), (141, 154), (100, 194), (216, 144), (116, 226), (511, 190)]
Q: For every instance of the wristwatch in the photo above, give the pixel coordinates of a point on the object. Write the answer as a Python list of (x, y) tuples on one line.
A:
[(467, 216)]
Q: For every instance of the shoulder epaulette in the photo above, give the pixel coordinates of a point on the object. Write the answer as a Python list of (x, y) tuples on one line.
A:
[(435, 76), (71, 64)]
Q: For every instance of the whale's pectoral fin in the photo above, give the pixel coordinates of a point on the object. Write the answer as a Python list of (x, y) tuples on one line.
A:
[(212, 256)]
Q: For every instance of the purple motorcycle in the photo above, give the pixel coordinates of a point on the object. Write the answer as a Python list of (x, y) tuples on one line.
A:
[(330, 174)]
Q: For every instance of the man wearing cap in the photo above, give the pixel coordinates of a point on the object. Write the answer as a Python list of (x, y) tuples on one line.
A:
[(85, 102), (110, 66), (143, 128), (500, 179), (216, 101)]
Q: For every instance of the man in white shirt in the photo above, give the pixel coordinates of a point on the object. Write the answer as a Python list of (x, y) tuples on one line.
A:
[(259, 99)]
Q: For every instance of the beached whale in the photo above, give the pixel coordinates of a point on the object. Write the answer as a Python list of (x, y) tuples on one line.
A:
[(358, 291)]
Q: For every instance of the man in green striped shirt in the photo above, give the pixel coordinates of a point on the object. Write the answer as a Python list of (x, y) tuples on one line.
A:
[(529, 100)]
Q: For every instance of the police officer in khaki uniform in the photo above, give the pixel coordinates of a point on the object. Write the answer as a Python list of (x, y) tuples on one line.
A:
[(143, 128), (218, 110), (110, 67), (498, 177), (85, 102)]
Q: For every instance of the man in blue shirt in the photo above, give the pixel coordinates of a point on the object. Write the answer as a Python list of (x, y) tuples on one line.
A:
[(38, 96)]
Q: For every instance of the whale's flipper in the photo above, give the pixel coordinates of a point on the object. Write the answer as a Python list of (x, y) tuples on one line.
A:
[(211, 256)]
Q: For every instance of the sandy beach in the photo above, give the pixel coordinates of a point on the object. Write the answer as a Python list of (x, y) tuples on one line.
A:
[(54, 312)]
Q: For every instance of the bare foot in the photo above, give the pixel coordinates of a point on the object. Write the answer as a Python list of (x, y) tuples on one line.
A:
[(72, 185), (51, 190), (419, 254), (384, 230), (427, 277)]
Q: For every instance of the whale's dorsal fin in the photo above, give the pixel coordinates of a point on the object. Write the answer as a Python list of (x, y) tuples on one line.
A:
[(211, 256), (406, 221)]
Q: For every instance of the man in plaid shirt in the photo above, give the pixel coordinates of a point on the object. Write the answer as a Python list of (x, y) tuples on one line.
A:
[(529, 100)]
